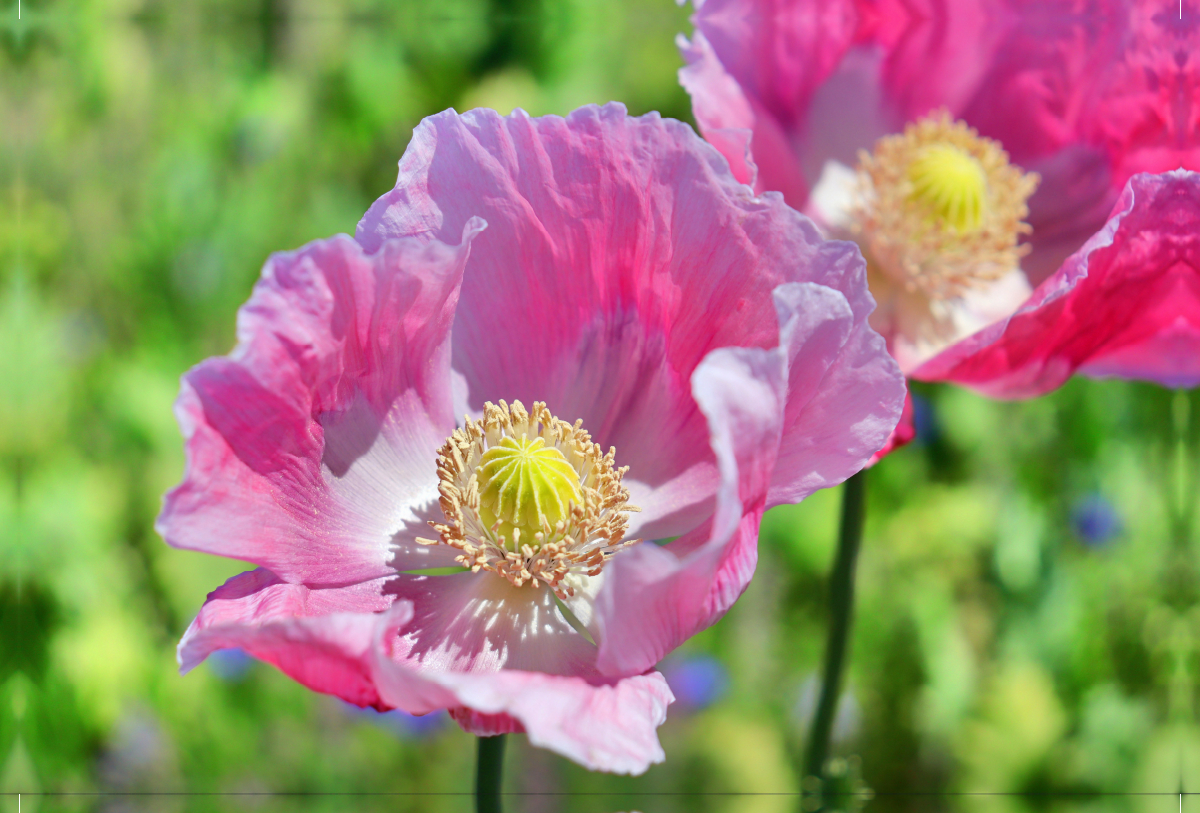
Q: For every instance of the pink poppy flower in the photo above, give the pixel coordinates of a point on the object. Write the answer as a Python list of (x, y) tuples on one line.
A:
[(614, 321), (1071, 98)]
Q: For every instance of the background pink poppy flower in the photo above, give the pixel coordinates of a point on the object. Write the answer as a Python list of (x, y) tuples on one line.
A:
[(624, 278), (1085, 94)]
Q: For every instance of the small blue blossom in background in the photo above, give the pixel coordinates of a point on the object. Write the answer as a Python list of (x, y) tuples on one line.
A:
[(1095, 521), (697, 681), (924, 420), (401, 723), (230, 665)]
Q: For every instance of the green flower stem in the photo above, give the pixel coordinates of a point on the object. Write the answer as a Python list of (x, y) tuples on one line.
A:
[(489, 771), (841, 607)]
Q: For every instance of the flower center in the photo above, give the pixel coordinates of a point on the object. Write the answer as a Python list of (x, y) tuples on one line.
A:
[(950, 184), (528, 496), (941, 209), (524, 484)]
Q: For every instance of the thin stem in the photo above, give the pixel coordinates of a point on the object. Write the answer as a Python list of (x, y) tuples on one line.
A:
[(489, 773), (841, 609), (1180, 505)]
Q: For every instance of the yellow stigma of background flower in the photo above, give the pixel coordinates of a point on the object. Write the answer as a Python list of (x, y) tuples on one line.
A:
[(524, 483), (940, 210), (950, 185)]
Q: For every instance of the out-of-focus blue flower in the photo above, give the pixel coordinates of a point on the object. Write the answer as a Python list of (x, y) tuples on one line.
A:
[(230, 665), (401, 723), (697, 681), (1095, 521), (924, 420)]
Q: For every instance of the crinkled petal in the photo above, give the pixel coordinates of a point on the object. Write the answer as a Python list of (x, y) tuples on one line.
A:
[(840, 394), (655, 598), (620, 252), (845, 393), (479, 622), (311, 448), (1126, 304), (321, 638), (606, 726)]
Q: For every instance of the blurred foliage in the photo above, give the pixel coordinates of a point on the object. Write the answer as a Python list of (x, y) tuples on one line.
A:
[(1027, 615)]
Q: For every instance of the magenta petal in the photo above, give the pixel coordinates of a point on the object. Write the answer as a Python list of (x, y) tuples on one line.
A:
[(311, 447), (1126, 304), (321, 638)]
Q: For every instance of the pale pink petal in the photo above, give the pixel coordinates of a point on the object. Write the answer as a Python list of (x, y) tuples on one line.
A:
[(321, 638), (603, 725), (354, 642), (638, 253), (1127, 303), (479, 622), (311, 447), (655, 598), (485, 725), (845, 393)]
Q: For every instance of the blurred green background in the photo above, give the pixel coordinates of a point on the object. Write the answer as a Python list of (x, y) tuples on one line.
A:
[(1027, 617)]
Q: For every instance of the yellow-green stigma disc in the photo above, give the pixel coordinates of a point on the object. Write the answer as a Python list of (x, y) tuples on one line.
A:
[(520, 482), (950, 185)]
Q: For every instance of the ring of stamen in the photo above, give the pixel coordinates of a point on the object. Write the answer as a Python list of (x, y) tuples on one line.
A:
[(528, 496), (941, 210)]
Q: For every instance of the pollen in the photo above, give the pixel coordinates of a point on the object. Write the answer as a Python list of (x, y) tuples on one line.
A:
[(530, 497), (941, 210)]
